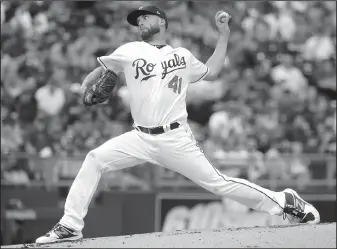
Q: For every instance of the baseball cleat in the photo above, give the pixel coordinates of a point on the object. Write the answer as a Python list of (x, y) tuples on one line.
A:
[(59, 233), (300, 210)]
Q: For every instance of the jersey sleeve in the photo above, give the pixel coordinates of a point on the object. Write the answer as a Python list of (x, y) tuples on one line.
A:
[(198, 70), (115, 61)]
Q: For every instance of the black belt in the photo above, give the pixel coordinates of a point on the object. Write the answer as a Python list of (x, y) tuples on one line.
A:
[(159, 129)]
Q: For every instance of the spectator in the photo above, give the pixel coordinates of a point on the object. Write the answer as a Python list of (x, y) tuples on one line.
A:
[(288, 77), (11, 137), (319, 46), (281, 23), (51, 97), (224, 123), (25, 105)]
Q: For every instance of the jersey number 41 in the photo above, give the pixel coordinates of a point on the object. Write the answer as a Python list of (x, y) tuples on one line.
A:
[(175, 84)]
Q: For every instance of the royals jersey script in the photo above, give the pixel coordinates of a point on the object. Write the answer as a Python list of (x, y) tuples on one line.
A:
[(157, 80)]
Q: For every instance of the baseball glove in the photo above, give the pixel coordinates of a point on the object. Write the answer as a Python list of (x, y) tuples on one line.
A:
[(100, 91)]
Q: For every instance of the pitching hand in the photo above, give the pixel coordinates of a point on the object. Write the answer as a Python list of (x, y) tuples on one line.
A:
[(221, 21)]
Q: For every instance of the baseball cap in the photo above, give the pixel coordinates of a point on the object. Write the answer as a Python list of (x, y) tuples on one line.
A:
[(152, 10)]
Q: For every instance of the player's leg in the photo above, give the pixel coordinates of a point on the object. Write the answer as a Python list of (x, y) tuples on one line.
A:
[(184, 156), (120, 152)]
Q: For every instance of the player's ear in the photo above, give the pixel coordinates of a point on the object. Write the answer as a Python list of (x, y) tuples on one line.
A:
[(162, 21)]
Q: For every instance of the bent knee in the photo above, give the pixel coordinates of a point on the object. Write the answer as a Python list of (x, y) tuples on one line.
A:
[(92, 159)]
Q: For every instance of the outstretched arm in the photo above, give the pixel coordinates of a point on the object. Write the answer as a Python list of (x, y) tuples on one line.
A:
[(217, 60)]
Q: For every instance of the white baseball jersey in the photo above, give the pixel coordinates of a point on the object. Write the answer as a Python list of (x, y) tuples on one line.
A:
[(157, 80)]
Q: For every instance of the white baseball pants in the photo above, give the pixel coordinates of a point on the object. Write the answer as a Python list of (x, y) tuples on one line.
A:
[(176, 150)]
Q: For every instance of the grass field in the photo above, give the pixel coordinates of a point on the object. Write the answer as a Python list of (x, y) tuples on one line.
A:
[(293, 236)]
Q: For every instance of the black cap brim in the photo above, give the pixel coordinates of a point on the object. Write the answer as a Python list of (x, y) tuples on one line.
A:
[(133, 16)]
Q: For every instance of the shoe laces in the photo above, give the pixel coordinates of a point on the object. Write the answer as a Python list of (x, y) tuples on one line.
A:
[(293, 211), (57, 227), (296, 212)]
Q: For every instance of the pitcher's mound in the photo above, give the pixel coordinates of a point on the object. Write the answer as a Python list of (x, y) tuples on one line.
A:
[(300, 236)]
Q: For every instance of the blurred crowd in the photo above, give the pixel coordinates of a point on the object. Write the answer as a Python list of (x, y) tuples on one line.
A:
[(272, 96)]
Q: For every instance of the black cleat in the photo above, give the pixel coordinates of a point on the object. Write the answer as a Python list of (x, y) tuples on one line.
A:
[(300, 210), (59, 233)]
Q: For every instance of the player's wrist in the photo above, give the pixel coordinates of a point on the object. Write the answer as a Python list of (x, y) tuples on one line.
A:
[(223, 38), (224, 34)]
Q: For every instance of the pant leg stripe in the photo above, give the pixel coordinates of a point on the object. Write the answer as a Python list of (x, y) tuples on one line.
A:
[(219, 174)]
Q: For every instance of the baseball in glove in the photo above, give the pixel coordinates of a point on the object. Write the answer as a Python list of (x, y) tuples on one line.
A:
[(100, 91)]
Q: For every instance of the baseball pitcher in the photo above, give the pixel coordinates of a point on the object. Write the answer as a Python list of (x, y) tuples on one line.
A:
[(157, 77)]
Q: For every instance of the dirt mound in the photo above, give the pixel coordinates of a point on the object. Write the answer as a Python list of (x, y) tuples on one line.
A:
[(300, 236)]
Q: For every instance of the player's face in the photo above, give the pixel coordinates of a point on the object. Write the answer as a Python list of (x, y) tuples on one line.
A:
[(148, 26)]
